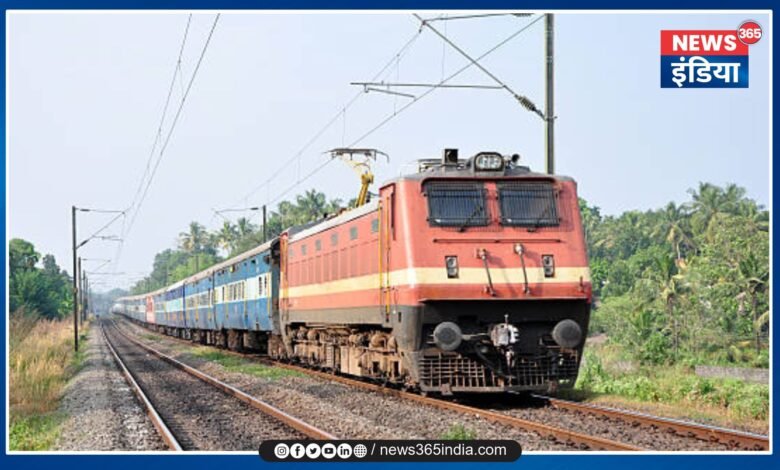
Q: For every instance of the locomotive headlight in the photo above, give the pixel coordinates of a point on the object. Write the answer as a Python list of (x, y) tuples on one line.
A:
[(489, 162), (451, 263), (548, 263)]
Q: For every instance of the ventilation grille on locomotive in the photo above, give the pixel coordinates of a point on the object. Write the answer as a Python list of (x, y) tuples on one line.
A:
[(456, 371)]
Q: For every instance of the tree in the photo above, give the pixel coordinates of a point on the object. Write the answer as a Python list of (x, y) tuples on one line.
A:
[(673, 227), (37, 291), (692, 279), (22, 255), (194, 241), (228, 237)]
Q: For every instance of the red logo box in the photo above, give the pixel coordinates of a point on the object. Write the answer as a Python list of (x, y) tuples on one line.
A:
[(703, 43)]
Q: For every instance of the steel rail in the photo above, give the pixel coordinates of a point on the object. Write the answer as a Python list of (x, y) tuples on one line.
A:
[(564, 435), (561, 434), (162, 429), (730, 437), (295, 423), (748, 441)]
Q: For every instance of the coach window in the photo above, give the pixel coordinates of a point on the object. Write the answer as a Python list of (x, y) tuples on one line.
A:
[(318, 245), (374, 225), (528, 204), (353, 233), (334, 239), (303, 250), (456, 204)]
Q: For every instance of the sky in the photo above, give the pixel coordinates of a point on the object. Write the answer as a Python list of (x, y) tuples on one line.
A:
[(85, 95)]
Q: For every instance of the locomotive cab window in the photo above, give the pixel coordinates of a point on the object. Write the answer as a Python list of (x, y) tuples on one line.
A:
[(456, 204), (528, 204)]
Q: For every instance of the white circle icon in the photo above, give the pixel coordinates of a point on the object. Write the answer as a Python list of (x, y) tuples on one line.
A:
[(313, 450), (360, 451), (281, 451), (344, 450), (297, 450), (328, 450)]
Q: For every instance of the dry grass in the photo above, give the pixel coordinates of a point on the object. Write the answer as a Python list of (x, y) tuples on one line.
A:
[(41, 360)]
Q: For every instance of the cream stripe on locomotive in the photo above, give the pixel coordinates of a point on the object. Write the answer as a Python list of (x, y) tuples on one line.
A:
[(438, 276)]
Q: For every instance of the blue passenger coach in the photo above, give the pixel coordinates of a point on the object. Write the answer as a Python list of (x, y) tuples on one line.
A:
[(232, 304)]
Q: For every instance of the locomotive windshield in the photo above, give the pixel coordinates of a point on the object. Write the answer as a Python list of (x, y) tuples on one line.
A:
[(458, 204), (528, 204)]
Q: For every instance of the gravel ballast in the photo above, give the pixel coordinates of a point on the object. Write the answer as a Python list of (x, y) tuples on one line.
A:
[(200, 416), (342, 410), (102, 412)]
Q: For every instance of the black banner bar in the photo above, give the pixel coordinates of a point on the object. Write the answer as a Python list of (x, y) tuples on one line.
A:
[(390, 451)]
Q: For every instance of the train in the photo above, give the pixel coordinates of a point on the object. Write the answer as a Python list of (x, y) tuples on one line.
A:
[(463, 276)]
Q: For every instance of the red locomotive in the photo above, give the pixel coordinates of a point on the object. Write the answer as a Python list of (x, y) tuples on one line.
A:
[(467, 276)]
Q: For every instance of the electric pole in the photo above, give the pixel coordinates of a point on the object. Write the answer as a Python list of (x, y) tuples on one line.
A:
[(77, 261), (265, 223), (81, 290), (549, 111), (75, 286)]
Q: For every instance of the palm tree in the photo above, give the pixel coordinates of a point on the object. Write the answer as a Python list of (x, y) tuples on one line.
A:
[(755, 214), (244, 227), (670, 284), (754, 279), (194, 241), (312, 205), (227, 236), (707, 202), (732, 198), (673, 227)]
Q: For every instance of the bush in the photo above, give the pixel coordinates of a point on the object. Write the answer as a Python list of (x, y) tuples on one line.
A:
[(676, 385), (41, 359)]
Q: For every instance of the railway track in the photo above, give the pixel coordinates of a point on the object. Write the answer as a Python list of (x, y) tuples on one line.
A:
[(577, 439), (580, 440), (724, 438), (731, 438), (216, 416)]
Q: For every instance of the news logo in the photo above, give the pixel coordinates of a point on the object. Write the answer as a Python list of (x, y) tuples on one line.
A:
[(707, 58)]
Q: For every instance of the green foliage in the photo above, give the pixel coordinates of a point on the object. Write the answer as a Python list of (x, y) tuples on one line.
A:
[(35, 432), (37, 291), (199, 248), (236, 364), (459, 432), (683, 284), (675, 385)]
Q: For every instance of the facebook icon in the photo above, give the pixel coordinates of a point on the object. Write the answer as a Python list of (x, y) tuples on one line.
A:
[(297, 450)]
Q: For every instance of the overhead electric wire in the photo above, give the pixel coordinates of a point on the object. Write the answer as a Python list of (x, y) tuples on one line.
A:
[(108, 224), (103, 211), (527, 103), (170, 130), (158, 134), (479, 15), (447, 79), (410, 103), (340, 114), (173, 124)]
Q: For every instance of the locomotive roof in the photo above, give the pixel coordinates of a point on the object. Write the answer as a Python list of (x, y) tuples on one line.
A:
[(435, 168)]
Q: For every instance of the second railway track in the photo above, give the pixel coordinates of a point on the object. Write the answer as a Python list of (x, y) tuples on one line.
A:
[(193, 411), (582, 426)]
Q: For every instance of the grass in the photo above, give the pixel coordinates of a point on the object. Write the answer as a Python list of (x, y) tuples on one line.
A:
[(41, 361), (459, 432), (674, 391), (35, 432), (233, 363)]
